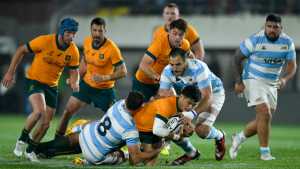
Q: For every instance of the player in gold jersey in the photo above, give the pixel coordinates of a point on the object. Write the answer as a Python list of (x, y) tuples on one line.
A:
[(53, 53), (171, 13), (156, 57), (100, 67)]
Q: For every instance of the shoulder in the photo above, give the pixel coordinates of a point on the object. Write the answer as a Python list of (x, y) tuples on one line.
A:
[(185, 45), (111, 44)]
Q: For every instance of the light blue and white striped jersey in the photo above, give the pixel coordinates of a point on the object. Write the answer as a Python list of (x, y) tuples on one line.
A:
[(197, 73), (265, 59), (114, 129)]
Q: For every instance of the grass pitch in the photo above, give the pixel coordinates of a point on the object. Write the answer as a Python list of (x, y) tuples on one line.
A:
[(285, 146)]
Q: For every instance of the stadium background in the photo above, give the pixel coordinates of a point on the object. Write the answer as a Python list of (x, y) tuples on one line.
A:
[(220, 24)]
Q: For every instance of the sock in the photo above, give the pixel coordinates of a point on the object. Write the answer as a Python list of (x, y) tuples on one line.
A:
[(32, 146), (241, 136), (265, 150), (187, 146), (214, 134), (24, 136)]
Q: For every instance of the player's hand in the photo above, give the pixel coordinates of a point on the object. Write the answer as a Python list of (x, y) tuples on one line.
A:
[(100, 78), (156, 78), (8, 80), (282, 83), (239, 88), (74, 87)]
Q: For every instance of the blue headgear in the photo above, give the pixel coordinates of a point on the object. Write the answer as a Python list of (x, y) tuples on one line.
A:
[(68, 24)]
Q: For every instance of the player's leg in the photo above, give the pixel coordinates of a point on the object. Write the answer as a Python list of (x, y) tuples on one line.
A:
[(149, 143), (205, 125), (263, 117), (64, 145), (37, 101), (73, 105), (191, 153), (238, 138)]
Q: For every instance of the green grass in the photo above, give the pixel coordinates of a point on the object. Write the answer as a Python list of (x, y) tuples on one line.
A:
[(284, 143)]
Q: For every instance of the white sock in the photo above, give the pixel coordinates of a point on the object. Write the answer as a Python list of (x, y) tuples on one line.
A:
[(241, 136), (214, 134)]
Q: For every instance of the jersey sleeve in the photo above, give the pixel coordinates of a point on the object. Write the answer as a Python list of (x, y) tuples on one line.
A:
[(165, 81), (291, 55), (154, 49), (247, 46), (131, 137), (193, 36), (36, 45), (116, 57), (75, 58), (203, 79)]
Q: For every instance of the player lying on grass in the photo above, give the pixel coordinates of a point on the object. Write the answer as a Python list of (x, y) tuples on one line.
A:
[(152, 122), (100, 141)]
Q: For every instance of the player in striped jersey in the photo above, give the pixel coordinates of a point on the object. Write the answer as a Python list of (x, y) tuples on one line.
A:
[(183, 71), (259, 63), (100, 141)]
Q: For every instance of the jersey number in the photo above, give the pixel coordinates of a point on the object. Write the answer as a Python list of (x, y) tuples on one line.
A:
[(104, 126)]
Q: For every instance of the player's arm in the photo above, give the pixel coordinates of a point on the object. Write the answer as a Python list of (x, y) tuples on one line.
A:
[(165, 84), (198, 49), (206, 100), (82, 67), (145, 66), (238, 64), (289, 72), (74, 79), (136, 155), (8, 78), (119, 72)]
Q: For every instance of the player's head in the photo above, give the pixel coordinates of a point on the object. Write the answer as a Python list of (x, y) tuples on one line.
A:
[(189, 97), (97, 30), (176, 32), (178, 61), (67, 29), (134, 101), (273, 27), (170, 13)]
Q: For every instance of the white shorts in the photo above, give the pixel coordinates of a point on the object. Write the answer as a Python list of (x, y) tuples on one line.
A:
[(257, 92), (209, 118)]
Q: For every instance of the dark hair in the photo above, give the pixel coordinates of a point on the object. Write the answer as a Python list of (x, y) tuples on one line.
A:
[(134, 100), (98, 21), (171, 5), (273, 18), (179, 24), (179, 52), (192, 92)]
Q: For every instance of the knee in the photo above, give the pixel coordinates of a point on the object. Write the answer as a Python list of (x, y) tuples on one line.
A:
[(201, 130), (263, 111)]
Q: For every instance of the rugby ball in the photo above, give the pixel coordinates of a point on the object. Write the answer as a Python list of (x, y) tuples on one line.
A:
[(174, 124)]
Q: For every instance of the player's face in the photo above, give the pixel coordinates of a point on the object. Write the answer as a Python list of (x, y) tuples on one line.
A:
[(175, 37), (178, 65), (185, 103), (68, 37), (170, 14), (97, 32), (273, 30)]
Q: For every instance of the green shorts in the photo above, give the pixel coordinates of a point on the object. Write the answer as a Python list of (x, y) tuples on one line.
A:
[(101, 98), (149, 138), (148, 90), (51, 93)]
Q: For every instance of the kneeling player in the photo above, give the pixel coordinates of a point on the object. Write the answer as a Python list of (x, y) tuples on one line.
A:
[(152, 121), (99, 141)]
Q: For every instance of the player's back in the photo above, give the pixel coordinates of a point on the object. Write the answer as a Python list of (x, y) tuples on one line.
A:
[(112, 131)]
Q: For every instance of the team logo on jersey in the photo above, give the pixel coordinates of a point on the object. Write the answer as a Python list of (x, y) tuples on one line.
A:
[(101, 56), (67, 58)]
